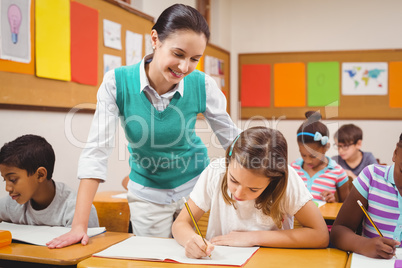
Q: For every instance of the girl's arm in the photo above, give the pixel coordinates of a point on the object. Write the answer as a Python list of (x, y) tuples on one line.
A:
[(343, 192), (184, 234), (343, 234), (78, 232), (313, 234)]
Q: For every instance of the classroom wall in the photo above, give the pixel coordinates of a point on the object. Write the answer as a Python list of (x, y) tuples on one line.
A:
[(240, 27), (317, 25)]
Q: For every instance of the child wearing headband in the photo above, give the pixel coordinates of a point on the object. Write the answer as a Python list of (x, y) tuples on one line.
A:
[(253, 196), (322, 175)]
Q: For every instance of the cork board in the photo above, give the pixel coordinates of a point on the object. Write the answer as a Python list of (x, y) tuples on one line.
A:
[(27, 91), (350, 106)]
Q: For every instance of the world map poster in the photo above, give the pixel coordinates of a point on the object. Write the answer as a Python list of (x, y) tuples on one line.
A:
[(364, 78)]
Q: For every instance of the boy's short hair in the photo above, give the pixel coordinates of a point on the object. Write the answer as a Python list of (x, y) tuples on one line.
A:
[(399, 144), (349, 133), (28, 152)]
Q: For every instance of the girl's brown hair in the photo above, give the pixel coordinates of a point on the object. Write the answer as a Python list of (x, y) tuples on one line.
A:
[(262, 151)]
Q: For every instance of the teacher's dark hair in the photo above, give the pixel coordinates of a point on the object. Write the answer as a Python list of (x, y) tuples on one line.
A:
[(180, 17)]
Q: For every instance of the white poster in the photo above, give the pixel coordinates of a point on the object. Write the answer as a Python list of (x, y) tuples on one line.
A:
[(110, 62), (133, 48), (112, 34), (15, 30), (364, 78)]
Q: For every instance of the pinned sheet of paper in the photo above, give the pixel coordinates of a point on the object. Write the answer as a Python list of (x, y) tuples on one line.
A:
[(133, 48), (256, 85), (15, 30), (110, 62), (84, 44), (52, 42), (112, 34)]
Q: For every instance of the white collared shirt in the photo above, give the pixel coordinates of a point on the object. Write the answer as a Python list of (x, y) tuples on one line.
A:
[(100, 142)]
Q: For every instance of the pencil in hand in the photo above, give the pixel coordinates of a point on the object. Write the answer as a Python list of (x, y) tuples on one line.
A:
[(370, 219), (195, 224)]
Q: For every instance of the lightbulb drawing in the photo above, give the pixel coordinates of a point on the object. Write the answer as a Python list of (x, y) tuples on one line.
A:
[(14, 18)]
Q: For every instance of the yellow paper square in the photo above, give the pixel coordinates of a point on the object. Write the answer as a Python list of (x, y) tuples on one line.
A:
[(52, 42)]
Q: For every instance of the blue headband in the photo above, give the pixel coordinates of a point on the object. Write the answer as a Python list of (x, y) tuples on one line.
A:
[(231, 147), (317, 136)]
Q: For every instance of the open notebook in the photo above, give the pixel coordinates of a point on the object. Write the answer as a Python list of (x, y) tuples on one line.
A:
[(366, 262), (168, 250), (40, 235)]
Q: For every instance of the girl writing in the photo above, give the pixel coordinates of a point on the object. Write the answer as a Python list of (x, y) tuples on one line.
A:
[(322, 175), (252, 195)]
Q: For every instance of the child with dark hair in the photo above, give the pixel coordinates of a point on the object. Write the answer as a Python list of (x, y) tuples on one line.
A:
[(27, 164), (379, 189), (348, 142), (253, 196), (322, 175), (157, 102)]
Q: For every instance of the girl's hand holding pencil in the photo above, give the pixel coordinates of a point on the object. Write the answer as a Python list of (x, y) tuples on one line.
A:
[(195, 247), (378, 247)]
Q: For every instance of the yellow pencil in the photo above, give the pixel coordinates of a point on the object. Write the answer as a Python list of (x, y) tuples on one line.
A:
[(372, 222), (369, 218), (195, 223)]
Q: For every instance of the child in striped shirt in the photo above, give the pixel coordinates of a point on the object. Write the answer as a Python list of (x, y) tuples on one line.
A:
[(379, 189), (322, 175)]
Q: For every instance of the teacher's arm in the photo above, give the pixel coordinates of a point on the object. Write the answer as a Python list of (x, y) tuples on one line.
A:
[(78, 233), (92, 166)]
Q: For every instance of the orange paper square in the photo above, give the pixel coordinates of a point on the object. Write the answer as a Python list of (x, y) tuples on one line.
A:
[(395, 84), (289, 84)]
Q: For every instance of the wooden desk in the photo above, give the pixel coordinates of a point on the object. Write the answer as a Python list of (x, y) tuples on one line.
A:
[(264, 257), (113, 213), (349, 262), (71, 255), (330, 210)]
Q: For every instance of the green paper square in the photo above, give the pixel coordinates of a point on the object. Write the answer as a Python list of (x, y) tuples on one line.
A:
[(323, 84)]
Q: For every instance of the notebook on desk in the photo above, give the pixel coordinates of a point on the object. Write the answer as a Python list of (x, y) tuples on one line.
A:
[(40, 235), (367, 262), (168, 250)]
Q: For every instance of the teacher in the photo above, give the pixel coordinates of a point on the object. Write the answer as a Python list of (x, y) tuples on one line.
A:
[(157, 101)]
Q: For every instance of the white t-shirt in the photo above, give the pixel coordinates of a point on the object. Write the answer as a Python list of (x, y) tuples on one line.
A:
[(224, 218), (60, 212)]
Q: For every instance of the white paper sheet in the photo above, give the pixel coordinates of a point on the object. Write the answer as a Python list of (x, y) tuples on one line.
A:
[(112, 34), (364, 78), (110, 62), (320, 203), (161, 249), (366, 262), (133, 48), (15, 30), (40, 235)]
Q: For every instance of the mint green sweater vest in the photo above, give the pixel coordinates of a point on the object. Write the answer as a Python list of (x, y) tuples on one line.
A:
[(164, 150)]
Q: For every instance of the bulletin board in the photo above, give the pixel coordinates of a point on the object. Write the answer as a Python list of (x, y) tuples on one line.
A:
[(224, 56), (348, 106), (27, 91)]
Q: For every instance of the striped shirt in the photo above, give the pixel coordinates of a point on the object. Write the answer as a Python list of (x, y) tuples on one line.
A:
[(376, 184), (328, 179)]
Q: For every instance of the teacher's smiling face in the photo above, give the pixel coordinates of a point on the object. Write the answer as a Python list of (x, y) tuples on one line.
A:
[(175, 57)]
